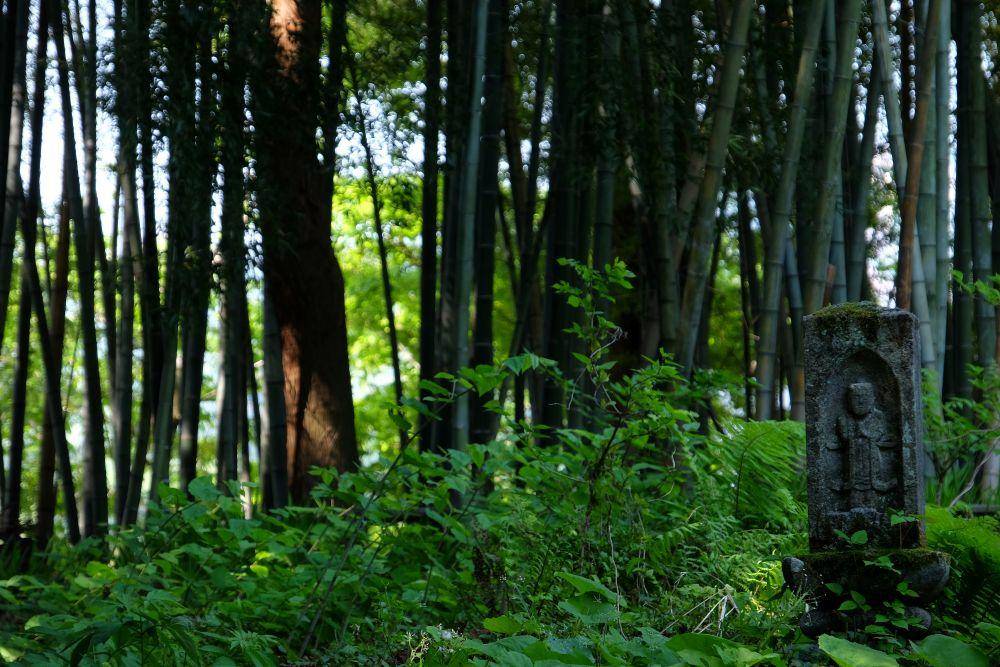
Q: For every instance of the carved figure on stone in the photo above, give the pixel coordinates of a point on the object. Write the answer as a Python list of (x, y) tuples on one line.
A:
[(862, 433)]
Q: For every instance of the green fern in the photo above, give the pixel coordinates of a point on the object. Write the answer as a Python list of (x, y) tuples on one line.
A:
[(760, 468), (974, 545)]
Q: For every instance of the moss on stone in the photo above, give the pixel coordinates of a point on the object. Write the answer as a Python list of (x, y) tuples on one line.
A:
[(852, 309), (902, 559), (926, 570)]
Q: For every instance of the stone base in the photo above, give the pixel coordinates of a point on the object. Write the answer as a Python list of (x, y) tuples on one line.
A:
[(874, 574)]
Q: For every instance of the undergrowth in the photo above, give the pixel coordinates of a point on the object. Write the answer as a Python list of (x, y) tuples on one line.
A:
[(650, 537)]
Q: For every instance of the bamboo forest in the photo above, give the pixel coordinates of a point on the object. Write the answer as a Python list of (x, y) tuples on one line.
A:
[(500, 332)]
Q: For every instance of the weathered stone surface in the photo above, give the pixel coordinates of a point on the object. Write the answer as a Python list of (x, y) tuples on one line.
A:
[(865, 463), (863, 426), (829, 579), (876, 572)]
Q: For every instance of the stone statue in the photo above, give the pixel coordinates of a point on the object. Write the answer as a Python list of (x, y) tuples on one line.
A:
[(864, 466), (863, 423)]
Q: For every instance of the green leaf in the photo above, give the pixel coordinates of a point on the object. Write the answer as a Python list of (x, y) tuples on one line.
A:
[(699, 643), (741, 656), (944, 651), (555, 651), (400, 420), (588, 610), (170, 496), (882, 561), (988, 629), (860, 537), (585, 585), (848, 654), (698, 659), (502, 625), (203, 488), (434, 388), (477, 454)]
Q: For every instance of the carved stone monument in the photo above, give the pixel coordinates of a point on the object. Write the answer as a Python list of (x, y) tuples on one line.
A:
[(865, 462)]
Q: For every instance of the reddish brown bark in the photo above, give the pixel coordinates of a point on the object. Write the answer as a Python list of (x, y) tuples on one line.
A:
[(304, 280)]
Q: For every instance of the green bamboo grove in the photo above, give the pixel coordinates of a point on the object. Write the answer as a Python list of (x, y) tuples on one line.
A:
[(274, 224)]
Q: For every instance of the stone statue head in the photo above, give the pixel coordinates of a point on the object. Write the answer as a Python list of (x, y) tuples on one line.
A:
[(860, 398)]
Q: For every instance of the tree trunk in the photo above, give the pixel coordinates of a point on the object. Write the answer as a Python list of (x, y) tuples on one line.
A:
[(51, 362), (259, 423), (303, 277), (749, 293), (716, 154), (701, 357), (526, 243), (484, 237), (243, 421), (181, 41), (891, 99), (652, 136), (235, 366), (908, 244), (429, 210), (465, 228), (198, 165), (838, 253), (980, 206), (131, 266), (8, 28), (796, 371), (962, 310), (122, 392), (46, 510), (13, 96), (135, 118), (926, 214), (915, 284), (815, 283), (83, 61), (333, 83), (461, 34), (563, 199), (857, 247), (152, 318), (607, 152), (10, 518), (274, 470), (782, 211), (164, 420), (943, 186), (95, 483)]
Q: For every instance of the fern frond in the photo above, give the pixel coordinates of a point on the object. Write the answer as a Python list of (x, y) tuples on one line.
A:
[(974, 545), (760, 467)]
